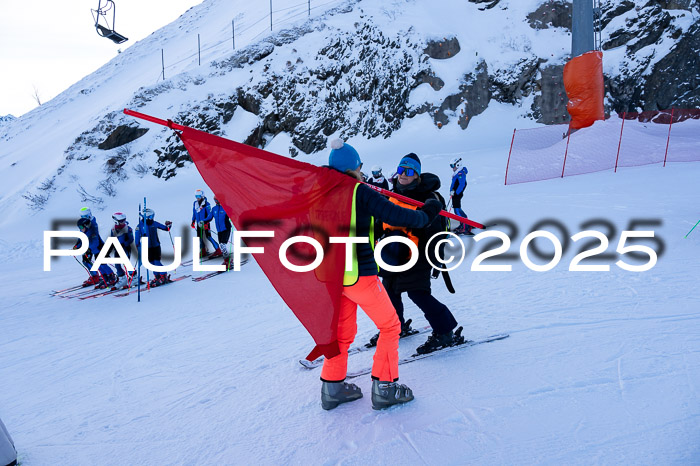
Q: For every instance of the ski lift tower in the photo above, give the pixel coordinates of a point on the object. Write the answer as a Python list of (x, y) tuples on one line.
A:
[(583, 74)]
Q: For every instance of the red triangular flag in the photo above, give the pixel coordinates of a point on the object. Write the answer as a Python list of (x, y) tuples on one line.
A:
[(262, 191)]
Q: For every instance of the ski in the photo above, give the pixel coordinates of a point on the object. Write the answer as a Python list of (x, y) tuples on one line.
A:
[(417, 357), (108, 292), (214, 274), (80, 293), (133, 289), (68, 290), (357, 349), (209, 275)]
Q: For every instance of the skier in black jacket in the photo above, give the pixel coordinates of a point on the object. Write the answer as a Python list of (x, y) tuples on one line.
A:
[(416, 281)]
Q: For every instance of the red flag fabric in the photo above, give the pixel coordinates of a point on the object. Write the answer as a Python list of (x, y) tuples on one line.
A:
[(262, 191)]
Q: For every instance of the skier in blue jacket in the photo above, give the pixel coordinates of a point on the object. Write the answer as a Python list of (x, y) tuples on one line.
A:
[(123, 232), (201, 209), (223, 228), (148, 228), (459, 184), (88, 225)]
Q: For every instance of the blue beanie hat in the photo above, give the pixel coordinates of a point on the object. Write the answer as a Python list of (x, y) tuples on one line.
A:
[(411, 161), (343, 156)]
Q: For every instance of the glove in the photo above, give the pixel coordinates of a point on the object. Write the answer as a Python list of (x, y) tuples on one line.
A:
[(200, 224), (193, 224), (168, 224), (452, 193), (432, 208)]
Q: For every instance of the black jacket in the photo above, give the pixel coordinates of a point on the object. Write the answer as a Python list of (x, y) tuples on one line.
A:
[(418, 277)]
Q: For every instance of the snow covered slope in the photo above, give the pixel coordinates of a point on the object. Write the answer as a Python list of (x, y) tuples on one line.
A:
[(600, 367)]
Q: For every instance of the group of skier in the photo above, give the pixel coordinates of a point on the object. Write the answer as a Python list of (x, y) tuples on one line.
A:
[(105, 276), (381, 300)]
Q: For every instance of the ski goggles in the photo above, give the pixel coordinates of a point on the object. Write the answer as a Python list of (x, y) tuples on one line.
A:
[(376, 174), (198, 196), (405, 170), (453, 165)]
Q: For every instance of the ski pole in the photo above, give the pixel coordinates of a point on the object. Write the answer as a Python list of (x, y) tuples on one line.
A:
[(691, 230), (413, 202), (138, 249), (83, 266), (173, 243)]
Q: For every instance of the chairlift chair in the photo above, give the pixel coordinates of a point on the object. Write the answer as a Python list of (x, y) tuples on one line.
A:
[(106, 30)]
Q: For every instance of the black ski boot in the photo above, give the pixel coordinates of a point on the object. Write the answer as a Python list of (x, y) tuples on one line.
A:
[(335, 393), (438, 341), (406, 330), (386, 394)]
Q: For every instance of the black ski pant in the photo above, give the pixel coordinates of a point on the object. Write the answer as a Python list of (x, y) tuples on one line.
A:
[(437, 314)]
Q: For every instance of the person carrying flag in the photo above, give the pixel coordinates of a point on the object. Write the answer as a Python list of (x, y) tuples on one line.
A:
[(362, 287)]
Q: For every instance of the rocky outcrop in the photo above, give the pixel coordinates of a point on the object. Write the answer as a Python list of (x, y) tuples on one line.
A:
[(675, 79), (442, 49), (556, 14), (123, 134)]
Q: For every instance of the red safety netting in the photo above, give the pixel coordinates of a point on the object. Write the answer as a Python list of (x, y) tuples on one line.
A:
[(628, 140)]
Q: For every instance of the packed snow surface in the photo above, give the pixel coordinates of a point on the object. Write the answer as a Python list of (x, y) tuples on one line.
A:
[(600, 367)]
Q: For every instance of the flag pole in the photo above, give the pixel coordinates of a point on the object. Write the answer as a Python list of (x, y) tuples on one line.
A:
[(410, 201)]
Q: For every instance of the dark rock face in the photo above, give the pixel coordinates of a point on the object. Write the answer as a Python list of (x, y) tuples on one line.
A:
[(364, 69), (512, 84), (549, 106), (474, 93), (675, 79), (611, 9), (555, 14), (122, 135), (441, 50)]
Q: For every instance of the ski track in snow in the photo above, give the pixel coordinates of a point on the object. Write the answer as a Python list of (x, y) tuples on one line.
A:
[(600, 367)]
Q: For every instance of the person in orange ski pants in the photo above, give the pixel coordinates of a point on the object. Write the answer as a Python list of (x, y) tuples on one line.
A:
[(367, 291)]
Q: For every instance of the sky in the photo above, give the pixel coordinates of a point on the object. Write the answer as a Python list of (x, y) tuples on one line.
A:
[(47, 45)]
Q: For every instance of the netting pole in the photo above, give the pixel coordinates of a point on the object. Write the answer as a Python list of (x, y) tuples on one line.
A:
[(270, 15), (509, 152), (162, 62), (566, 153), (199, 51), (668, 139), (233, 35), (620, 143)]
